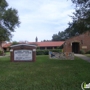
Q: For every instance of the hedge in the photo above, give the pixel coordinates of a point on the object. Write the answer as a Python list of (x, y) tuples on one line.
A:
[(45, 52), (88, 52), (1, 52)]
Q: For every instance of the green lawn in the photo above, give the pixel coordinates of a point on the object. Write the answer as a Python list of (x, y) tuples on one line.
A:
[(7, 53), (87, 55), (44, 74)]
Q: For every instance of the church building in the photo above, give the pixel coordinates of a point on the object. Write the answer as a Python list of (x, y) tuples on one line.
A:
[(78, 43)]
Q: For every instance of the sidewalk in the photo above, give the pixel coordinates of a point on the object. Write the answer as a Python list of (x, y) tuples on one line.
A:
[(83, 57)]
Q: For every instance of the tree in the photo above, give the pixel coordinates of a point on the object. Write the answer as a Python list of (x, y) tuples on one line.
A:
[(80, 21), (9, 20), (36, 39), (67, 33), (81, 17), (61, 36), (55, 37), (15, 43)]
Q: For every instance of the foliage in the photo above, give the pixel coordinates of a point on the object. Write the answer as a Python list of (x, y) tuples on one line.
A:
[(63, 35), (15, 43), (46, 52), (8, 21), (88, 52), (44, 74), (88, 55), (81, 18), (82, 51), (56, 50), (42, 52), (1, 52), (36, 39), (80, 21)]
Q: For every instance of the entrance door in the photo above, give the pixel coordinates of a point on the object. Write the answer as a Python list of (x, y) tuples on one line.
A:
[(75, 47)]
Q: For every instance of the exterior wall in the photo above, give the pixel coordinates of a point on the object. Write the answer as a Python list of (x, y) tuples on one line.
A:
[(83, 40)]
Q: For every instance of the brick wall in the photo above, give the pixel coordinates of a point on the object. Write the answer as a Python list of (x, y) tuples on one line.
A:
[(83, 40)]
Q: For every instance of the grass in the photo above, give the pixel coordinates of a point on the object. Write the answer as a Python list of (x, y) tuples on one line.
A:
[(44, 74), (87, 55), (7, 53)]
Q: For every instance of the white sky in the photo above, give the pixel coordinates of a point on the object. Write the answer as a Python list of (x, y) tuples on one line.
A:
[(41, 18)]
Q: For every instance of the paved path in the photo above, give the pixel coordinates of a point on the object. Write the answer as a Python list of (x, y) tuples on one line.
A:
[(83, 57)]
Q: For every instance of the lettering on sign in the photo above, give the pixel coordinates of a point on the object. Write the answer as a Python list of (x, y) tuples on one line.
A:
[(23, 55)]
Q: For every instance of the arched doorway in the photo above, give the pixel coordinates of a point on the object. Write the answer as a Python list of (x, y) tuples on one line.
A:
[(75, 47)]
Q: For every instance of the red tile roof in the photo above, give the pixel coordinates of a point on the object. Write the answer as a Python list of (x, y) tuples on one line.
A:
[(39, 44), (48, 44), (6, 45)]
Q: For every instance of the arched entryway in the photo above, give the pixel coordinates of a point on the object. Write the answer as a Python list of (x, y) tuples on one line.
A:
[(75, 47)]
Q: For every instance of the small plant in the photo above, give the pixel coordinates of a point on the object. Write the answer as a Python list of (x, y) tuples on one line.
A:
[(82, 51), (38, 48), (1, 52), (88, 52), (45, 52)]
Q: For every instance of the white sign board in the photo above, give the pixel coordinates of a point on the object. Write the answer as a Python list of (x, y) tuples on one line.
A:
[(23, 55)]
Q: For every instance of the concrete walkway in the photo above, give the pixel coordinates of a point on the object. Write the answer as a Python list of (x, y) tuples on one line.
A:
[(83, 57)]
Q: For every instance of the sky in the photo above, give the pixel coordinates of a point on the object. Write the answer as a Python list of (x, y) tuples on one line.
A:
[(41, 18)]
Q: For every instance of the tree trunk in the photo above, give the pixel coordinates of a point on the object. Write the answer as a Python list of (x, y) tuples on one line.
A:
[(1, 49)]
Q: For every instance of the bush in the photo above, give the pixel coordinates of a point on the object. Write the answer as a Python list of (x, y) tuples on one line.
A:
[(88, 52), (56, 50), (39, 52), (1, 52), (45, 52), (82, 51)]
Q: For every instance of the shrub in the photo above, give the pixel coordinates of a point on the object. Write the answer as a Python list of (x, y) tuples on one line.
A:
[(39, 52), (82, 51), (56, 50), (88, 52), (1, 52), (45, 52)]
